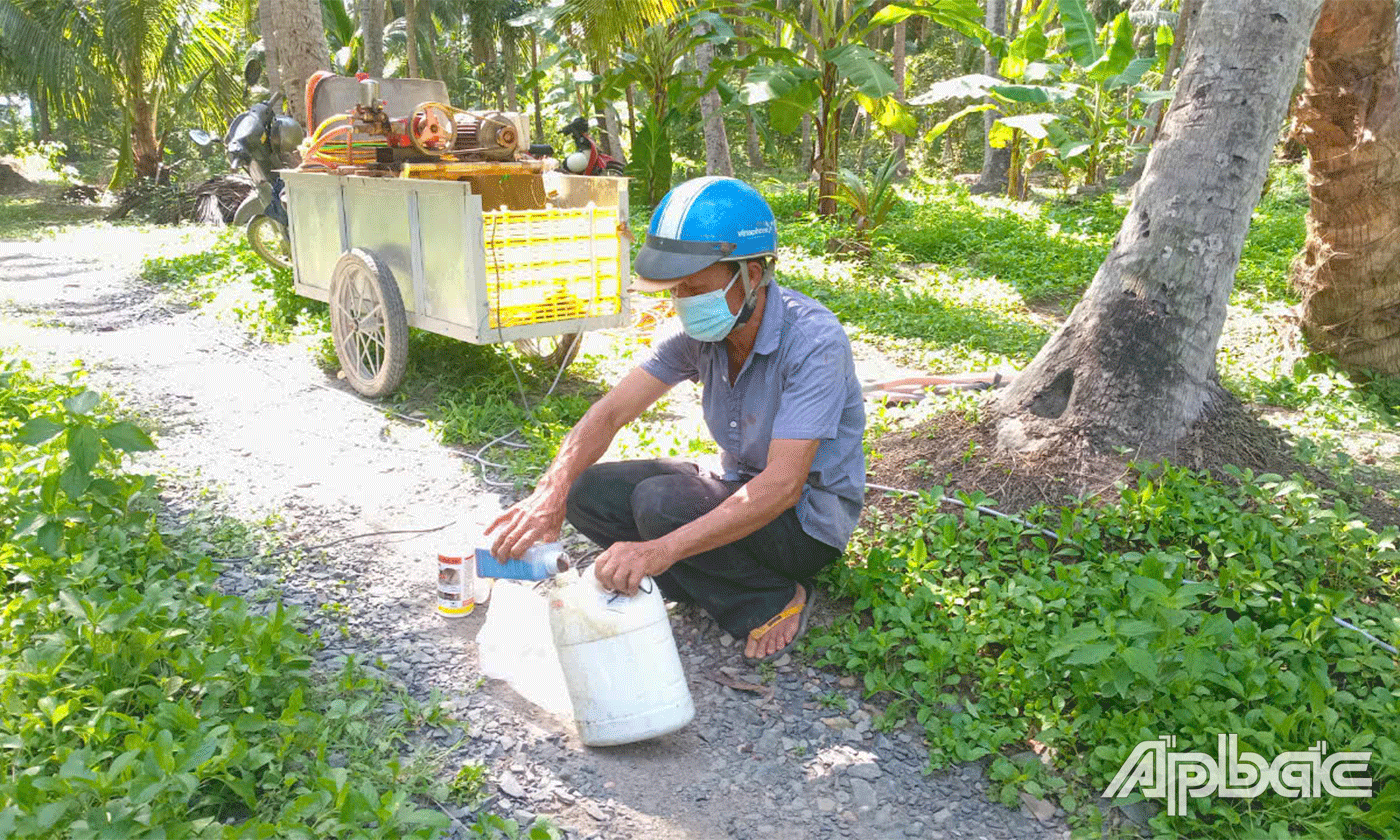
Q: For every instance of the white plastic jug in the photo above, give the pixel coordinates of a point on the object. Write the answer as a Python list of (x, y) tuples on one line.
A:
[(619, 660)]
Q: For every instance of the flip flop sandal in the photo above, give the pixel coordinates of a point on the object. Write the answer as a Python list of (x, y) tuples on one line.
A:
[(804, 609)]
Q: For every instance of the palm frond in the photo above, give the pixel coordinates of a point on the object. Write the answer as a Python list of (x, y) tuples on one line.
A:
[(600, 25)]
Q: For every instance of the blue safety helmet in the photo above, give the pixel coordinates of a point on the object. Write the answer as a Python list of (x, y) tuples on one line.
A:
[(702, 222)]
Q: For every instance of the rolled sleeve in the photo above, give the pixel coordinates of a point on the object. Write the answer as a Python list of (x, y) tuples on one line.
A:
[(814, 391), (673, 358)]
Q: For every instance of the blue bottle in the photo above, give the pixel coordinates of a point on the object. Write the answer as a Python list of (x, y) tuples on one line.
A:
[(540, 562)]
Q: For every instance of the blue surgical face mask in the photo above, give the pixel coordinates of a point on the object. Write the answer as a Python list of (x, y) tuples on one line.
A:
[(706, 317)]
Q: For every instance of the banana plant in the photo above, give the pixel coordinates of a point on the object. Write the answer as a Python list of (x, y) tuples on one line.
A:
[(843, 68), (655, 65), (1080, 77)]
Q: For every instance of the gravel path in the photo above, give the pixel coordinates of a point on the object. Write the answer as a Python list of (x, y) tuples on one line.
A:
[(271, 435)]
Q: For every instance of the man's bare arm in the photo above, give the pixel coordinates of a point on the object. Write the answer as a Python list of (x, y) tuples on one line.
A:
[(539, 516)]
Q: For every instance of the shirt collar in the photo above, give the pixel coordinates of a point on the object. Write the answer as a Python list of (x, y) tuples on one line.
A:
[(770, 329)]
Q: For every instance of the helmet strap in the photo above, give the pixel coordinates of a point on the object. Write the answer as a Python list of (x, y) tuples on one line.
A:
[(750, 295)]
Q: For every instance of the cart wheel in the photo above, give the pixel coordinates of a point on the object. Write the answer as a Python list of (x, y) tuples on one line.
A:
[(552, 351), (269, 239), (368, 323)]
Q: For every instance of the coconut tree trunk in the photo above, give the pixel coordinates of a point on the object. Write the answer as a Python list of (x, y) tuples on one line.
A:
[(145, 145), (410, 28), (632, 116), (294, 28), (431, 45), (510, 50), (996, 163), (1349, 274), (41, 112), (535, 88), (614, 124), (1134, 364), (372, 36), (717, 158), (270, 56)]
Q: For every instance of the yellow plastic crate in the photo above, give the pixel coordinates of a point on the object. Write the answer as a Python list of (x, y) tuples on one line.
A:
[(551, 265)]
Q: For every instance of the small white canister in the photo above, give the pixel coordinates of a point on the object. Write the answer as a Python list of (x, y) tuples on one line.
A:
[(619, 660), (456, 586)]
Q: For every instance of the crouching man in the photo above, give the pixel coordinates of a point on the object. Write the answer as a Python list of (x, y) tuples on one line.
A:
[(781, 399)]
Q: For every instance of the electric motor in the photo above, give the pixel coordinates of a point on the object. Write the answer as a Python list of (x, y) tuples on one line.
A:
[(491, 135)]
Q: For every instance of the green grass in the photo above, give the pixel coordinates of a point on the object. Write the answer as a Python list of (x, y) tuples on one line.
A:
[(958, 282), (262, 298), (33, 217), (1048, 257), (467, 392), (470, 395)]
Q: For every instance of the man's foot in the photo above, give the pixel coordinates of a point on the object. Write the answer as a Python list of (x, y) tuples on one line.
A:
[(781, 634)]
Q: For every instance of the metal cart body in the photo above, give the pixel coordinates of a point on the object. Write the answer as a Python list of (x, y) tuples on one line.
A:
[(464, 271)]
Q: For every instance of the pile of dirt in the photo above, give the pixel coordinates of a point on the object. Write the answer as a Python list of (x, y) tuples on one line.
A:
[(11, 181), (960, 455)]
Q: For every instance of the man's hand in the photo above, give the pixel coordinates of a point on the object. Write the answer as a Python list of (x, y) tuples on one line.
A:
[(536, 518), (622, 567)]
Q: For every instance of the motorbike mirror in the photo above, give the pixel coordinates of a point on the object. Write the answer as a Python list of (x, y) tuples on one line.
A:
[(201, 138), (253, 70), (265, 192)]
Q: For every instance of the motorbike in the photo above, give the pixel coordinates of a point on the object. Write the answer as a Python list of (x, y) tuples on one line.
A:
[(260, 141), (587, 159)]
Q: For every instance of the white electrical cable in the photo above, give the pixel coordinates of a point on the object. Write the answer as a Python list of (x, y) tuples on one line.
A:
[(984, 509), (502, 440), (1341, 622)]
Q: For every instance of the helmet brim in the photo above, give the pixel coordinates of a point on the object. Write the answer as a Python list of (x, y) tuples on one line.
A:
[(662, 263)]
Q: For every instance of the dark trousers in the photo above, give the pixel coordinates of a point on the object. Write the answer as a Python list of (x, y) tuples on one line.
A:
[(742, 584)]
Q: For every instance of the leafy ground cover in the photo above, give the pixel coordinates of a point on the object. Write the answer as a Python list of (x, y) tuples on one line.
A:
[(1182, 606), (137, 699)]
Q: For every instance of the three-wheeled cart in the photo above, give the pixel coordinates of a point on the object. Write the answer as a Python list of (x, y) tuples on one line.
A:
[(482, 252)]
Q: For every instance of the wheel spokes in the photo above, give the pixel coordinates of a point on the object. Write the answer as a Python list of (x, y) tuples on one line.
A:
[(362, 322)]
